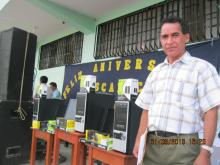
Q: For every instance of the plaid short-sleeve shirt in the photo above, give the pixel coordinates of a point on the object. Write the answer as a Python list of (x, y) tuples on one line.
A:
[(177, 95)]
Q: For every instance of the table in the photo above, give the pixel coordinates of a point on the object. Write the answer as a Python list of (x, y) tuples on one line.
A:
[(109, 157), (48, 137), (78, 148)]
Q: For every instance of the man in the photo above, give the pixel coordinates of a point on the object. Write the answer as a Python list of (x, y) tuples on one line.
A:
[(179, 95), (43, 90), (55, 92)]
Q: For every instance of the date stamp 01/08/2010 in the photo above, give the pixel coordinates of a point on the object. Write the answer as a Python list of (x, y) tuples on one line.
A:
[(178, 141)]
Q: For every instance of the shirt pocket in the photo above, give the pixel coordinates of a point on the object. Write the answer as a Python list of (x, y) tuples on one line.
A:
[(177, 89), (159, 87)]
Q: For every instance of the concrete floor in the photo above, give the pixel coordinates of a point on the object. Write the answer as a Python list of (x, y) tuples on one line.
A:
[(65, 151)]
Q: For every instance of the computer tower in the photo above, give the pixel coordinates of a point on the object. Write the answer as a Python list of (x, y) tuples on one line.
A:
[(48, 109), (15, 138), (12, 55), (94, 111), (126, 123), (71, 110)]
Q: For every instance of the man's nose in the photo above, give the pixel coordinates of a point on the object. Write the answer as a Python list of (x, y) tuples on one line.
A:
[(169, 40)]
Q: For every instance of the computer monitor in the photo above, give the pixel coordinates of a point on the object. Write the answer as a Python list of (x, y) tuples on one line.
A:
[(48, 109), (36, 102)]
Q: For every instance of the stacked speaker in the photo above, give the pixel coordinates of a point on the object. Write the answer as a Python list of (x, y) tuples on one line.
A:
[(15, 138), (12, 55)]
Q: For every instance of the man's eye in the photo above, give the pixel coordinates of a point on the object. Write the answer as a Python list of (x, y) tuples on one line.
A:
[(176, 34), (164, 37)]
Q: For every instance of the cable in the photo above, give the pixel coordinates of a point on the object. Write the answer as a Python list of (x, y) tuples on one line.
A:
[(21, 112)]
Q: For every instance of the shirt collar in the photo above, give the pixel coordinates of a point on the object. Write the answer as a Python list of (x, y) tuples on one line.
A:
[(185, 59)]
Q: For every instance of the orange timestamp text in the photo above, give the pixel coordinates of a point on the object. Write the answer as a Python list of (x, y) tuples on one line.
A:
[(177, 141)]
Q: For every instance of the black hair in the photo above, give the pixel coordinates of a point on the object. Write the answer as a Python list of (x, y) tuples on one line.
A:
[(43, 79), (175, 19), (53, 84)]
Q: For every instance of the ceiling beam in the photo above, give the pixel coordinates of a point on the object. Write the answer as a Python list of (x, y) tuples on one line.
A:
[(126, 9), (67, 16)]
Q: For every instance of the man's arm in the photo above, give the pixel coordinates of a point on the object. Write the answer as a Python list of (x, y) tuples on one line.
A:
[(36, 92), (142, 127), (210, 124)]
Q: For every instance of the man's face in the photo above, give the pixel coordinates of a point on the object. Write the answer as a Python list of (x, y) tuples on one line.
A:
[(52, 87), (173, 41)]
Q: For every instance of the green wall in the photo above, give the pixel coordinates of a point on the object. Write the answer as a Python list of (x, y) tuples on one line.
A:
[(79, 23)]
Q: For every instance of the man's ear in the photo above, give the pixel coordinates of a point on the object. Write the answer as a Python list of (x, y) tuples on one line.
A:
[(187, 37)]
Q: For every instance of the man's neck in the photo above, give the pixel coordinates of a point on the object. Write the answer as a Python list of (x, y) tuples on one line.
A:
[(172, 60)]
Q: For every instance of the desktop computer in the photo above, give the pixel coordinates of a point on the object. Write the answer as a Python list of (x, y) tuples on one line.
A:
[(94, 111), (126, 123)]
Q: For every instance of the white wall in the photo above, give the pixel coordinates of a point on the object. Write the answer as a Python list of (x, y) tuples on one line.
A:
[(88, 48), (53, 74)]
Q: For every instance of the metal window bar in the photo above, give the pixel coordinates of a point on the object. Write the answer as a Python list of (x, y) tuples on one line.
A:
[(98, 48), (218, 17), (115, 35), (138, 32), (106, 40)]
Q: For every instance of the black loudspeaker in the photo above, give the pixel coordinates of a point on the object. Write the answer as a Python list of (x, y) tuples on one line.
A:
[(126, 123), (15, 139), (12, 55)]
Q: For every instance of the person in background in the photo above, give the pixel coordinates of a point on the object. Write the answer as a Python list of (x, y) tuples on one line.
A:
[(180, 98), (43, 90), (55, 92)]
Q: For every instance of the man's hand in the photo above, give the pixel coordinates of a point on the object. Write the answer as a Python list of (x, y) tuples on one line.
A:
[(136, 147), (142, 127), (203, 158), (210, 124)]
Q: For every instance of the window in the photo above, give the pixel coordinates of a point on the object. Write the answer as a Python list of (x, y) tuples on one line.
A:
[(138, 32), (67, 50)]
